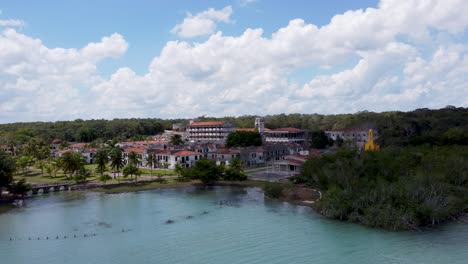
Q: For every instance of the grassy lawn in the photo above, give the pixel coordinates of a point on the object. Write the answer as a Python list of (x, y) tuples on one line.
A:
[(90, 166), (35, 176), (38, 178), (158, 172)]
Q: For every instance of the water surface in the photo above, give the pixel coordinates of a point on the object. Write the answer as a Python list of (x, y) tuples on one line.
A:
[(217, 225)]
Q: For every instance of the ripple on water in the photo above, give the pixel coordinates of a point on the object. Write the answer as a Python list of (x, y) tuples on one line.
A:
[(131, 228)]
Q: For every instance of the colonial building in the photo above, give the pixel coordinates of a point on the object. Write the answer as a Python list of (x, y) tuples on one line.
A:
[(286, 135), (354, 136), (7, 149), (214, 131), (224, 156)]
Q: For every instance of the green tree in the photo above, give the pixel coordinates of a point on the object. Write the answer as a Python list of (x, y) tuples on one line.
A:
[(7, 168), (235, 171), (151, 161), (179, 170), (131, 170), (205, 170), (24, 162), (134, 159), (41, 164), (101, 159), (319, 140), (82, 175), (176, 140), (104, 178), (116, 159), (19, 188), (49, 170), (71, 162), (244, 139)]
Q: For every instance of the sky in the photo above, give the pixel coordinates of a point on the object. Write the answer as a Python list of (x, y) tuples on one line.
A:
[(64, 60)]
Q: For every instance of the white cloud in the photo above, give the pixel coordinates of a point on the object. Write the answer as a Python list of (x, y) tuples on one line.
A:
[(11, 23), (203, 23), (40, 83), (245, 3), (399, 60)]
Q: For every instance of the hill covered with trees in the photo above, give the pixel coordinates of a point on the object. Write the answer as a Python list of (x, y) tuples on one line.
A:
[(448, 125)]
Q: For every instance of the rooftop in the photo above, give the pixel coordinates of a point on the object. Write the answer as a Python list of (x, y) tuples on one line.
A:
[(186, 153), (209, 123)]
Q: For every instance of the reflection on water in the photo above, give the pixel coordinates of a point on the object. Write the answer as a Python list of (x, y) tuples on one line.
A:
[(205, 225)]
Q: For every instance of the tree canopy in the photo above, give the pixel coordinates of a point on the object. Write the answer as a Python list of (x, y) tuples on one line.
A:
[(244, 139), (395, 188)]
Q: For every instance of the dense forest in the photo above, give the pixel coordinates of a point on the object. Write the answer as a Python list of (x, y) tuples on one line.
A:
[(448, 125), (83, 131), (397, 188)]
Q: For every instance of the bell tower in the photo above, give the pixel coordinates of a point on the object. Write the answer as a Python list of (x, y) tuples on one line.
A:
[(259, 124)]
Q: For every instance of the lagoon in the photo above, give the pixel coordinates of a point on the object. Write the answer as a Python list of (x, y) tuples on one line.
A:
[(210, 225)]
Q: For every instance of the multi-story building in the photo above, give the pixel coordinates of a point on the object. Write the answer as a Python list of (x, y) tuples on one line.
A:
[(353, 136), (286, 135), (214, 131)]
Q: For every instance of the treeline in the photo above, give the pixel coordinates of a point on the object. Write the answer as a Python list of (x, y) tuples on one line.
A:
[(397, 188), (444, 126), (82, 131)]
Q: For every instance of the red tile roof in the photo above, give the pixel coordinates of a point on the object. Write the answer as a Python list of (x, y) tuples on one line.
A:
[(246, 129), (211, 123), (186, 153), (65, 151), (90, 150), (136, 150), (56, 141), (225, 151), (287, 129), (351, 129), (78, 145)]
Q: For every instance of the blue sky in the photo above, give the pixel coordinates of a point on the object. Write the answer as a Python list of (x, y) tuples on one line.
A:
[(190, 58)]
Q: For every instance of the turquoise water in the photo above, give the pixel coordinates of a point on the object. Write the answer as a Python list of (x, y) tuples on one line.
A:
[(131, 228)]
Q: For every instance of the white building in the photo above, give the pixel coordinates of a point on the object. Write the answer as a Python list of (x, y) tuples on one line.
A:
[(209, 131), (286, 135)]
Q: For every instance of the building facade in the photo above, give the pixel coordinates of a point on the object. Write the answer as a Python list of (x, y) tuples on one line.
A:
[(215, 131), (286, 135)]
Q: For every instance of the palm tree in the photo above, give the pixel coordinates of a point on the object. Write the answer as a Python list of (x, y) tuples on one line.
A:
[(101, 159), (151, 161), (24, 162), (54, 165), (133, 159), (40, 164), (176, 140), (82, 175), (71, 162), (131, 170), (116, 159)]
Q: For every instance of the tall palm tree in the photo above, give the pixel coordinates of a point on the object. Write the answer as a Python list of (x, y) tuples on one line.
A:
[(116, 159), (40, 164), (151, 161), (133, 159), (71, 162), (101, 159)]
